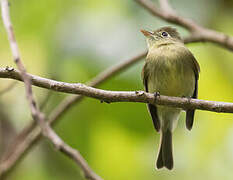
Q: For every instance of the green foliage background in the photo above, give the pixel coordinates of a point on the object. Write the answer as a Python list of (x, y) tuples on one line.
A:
[(74, 40)]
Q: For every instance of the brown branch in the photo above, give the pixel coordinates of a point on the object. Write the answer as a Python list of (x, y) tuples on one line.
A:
[(16, 56), (36, 114), (198, 33), (70, 152), (60, 145), (76, 156), (15, 52), (121, 96)]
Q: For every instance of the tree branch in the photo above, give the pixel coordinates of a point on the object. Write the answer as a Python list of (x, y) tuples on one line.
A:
[(121, 96), (198, 33), (36, 114)]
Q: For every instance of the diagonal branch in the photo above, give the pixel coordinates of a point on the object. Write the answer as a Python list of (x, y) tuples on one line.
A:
[(36, 114), (198, 32), (121, 96)]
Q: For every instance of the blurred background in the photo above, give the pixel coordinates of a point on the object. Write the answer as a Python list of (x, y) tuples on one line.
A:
[(73, 41)]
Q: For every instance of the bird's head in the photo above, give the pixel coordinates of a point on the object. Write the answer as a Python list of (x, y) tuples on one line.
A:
[(162, 36)]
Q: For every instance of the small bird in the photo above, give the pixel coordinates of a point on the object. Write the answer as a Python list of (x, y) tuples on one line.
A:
[(170, 69)]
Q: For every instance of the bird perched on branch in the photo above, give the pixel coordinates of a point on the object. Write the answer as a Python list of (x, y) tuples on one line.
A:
[(170, 69)]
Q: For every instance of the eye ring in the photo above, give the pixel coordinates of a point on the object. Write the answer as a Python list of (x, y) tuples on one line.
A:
[(164, 34)]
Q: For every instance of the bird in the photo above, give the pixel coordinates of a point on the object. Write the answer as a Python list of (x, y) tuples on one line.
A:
[(170, 69)]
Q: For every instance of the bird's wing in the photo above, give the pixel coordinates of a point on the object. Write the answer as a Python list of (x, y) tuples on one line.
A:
[(152, 108), (190, 113)]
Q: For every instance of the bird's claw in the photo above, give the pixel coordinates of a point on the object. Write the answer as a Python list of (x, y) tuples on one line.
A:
[(9, 69), (156, 95)]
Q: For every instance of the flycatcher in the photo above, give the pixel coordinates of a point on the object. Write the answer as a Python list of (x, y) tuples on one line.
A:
[(170, 69)]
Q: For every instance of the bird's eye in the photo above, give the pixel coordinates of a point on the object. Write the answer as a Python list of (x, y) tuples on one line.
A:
[(164, 34)]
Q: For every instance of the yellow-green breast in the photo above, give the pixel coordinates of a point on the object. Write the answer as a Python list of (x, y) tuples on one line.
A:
[(170, 70)]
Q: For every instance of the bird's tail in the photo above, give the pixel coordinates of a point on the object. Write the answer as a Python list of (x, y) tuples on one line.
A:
[(165, 157)]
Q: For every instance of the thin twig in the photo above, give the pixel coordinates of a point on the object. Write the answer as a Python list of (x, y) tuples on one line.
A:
[(36, 114), (198, 33), (16, 57), (70, 152)]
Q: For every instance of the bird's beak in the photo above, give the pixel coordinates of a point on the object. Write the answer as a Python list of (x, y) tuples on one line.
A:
[(146, 33)]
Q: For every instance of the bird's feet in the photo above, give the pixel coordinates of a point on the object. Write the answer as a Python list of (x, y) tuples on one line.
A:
[(156, 95)]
